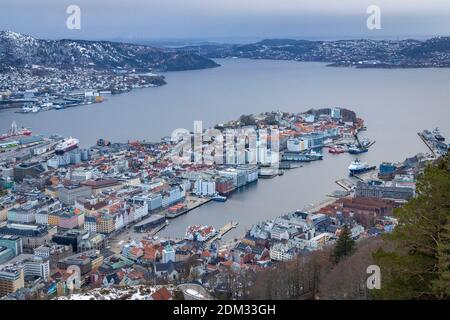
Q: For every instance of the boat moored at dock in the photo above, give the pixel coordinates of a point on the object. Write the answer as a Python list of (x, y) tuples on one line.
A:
[(302, 156), (15, 132), (357, 150), (66, 145), (219, 198), (359, 167), (337, 150)]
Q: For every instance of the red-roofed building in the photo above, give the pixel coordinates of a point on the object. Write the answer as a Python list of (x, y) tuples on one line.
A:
[(162, 294)]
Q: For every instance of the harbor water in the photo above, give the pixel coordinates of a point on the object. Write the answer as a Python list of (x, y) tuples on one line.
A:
[(395, 105)]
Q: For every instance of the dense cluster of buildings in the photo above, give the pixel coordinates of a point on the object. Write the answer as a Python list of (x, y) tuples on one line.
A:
[(91, 222), (366, 53), (39, 88)]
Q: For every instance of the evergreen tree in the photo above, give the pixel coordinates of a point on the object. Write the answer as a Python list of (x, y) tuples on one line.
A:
[(416, 266), (344, 245)]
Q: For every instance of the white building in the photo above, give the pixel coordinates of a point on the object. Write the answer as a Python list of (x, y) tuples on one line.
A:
[(204, 187), (357, 231), (42, 251), (281, 252), (41, 149), (319, 241), (240, 153), (123, 218), (42, 217), (239, 176), (250, 156), (279, 233), (262, 153), (297, 144), (168, 254), (152, 200), (336, 113), (90, 224), (37, 266), (174, 195), (81, 175), (140, 211), (309, 118), (58, 161), (250, 171), (25, 214)]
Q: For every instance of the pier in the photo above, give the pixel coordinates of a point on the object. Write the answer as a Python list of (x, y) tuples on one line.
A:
[(191, 204), (338, 194), (346, 184), (315, 207), (369, 175), (222, 231), (154, 231)]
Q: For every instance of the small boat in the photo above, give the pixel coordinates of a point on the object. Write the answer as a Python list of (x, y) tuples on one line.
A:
[(219, 198), (437, 131), (357, 150), (336, 149), (35, 109), (315, 155)]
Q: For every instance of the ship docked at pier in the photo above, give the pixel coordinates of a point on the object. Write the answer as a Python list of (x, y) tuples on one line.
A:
[(66, 145), (15, 132), (359, 167), (302, 156), (360, 146), (219, 198)]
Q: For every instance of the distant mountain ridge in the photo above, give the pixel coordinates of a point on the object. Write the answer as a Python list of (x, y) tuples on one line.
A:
[(19, 51), (410, 53)]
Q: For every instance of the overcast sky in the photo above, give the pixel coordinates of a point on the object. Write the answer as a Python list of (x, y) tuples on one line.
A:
[(231, 19)]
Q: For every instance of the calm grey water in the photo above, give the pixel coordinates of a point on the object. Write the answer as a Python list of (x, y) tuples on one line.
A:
[(395, 104)]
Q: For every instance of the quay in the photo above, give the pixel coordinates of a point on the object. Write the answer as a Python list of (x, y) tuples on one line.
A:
[(222, 231), (153, 221), (346, 184), (316, 207), (369, 175), (268, 172), (191, 204), (339, 194), (154, 231), (286, 165)]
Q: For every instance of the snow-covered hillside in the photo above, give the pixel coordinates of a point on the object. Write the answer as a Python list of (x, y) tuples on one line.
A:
[(18, 51)]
